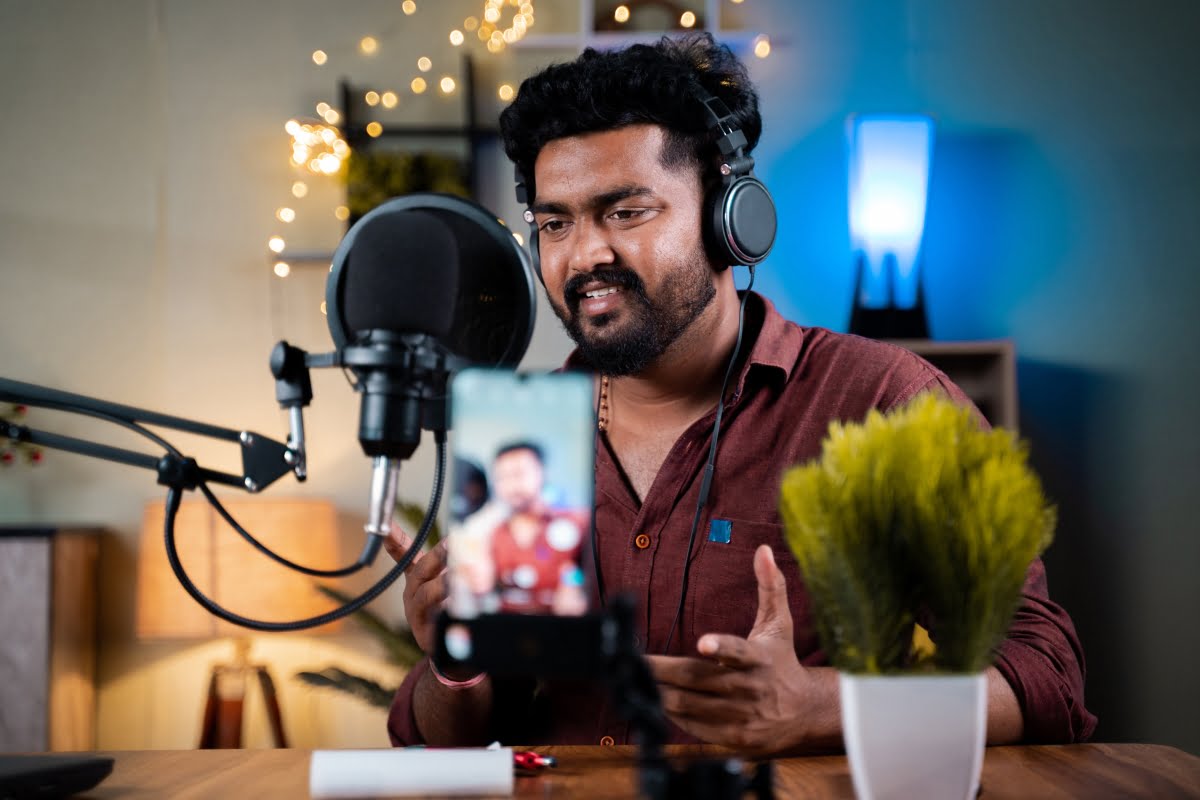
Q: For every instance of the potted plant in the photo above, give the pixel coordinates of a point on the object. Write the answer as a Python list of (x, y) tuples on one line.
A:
[(920, 515)]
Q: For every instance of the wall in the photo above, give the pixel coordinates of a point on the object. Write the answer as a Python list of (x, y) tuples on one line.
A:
[(146, 158), (1065, 185)]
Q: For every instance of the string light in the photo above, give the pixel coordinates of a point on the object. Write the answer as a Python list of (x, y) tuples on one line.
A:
[(318, 147), (276, 244), (319, 57), (621, 14), (372, 98), (497, 37), (369, 45), (456, 37), (470, 24), (424, 64), (322, 107), (285, 214), (283, 269), (762, 46), (342, 213), (408, 7), (390, 99), (374, 129), (447, 85), (299, 189), (506, 92), (520, 239), (323, 311), (332, 117), (687, 19), (418, 85)]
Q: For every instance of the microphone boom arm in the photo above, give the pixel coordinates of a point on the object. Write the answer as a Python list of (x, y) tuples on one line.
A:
[(264, 460)]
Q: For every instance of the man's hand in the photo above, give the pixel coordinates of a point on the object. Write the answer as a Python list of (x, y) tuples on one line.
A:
[(424, 586), (751, 694)]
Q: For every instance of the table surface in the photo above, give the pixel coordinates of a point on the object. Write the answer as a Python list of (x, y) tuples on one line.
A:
[(1094, 771)]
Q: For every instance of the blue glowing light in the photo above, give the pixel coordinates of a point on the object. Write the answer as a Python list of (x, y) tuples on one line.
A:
[(889, 181)]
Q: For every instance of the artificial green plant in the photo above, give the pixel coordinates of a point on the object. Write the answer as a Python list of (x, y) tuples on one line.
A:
[(917, 515)]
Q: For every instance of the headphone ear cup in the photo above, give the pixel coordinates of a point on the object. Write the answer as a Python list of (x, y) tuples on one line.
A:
[(714, 228), (742, 221)]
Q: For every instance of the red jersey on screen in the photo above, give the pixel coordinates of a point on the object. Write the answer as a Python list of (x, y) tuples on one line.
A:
[(530, 568)]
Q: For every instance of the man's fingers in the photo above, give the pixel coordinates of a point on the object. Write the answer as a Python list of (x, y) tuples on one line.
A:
[(429, 565), (701, 706), (774, 618), (730, 651), (698, 675)]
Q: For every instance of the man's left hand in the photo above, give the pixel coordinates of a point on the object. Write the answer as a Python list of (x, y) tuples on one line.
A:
[(751, 694)]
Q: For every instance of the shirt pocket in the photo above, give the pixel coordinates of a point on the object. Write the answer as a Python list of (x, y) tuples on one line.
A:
[(723, 591)]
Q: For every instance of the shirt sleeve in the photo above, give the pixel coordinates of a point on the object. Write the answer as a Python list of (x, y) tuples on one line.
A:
[(402, 725), (1042, 660)]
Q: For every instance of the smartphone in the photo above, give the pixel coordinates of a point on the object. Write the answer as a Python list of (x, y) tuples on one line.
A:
[(522, 449)]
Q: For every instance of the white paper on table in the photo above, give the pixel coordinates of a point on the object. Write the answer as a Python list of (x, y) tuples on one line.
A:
[(413, 771)]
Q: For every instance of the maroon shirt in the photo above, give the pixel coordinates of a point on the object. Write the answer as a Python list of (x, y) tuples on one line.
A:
[(795, 382)]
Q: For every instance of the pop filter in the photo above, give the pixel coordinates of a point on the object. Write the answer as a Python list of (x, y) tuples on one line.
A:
[(490, 278)]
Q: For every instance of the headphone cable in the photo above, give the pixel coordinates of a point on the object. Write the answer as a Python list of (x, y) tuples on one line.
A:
[(706, 482)]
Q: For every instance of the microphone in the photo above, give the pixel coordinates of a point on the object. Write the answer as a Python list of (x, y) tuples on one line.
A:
[(398, 297), (421, 285)]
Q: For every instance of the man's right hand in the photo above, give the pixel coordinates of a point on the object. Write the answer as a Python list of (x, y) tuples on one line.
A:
[(424, 586)]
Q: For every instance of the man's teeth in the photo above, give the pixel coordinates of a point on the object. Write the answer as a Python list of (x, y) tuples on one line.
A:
[(603, 292)]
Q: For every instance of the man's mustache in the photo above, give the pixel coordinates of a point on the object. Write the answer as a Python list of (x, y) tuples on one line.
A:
[(573, 291)]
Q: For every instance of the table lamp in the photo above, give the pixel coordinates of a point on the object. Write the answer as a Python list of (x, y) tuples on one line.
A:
[(236, 576), (889, 181)]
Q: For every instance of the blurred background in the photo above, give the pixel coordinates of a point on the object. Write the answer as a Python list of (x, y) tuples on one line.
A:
[(161, 226)]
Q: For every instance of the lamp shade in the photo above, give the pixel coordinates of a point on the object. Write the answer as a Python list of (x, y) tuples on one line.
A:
[(889, 181), (229, 570)]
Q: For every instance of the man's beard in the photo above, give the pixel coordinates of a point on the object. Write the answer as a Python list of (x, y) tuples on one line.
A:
[(651, 325)]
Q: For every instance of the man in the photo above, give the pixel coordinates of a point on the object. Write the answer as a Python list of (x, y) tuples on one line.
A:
[(619, 157)]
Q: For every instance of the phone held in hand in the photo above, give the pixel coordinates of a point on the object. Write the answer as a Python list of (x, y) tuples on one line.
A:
[(520, 524)]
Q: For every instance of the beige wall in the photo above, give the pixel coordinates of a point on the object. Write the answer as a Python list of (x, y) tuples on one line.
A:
[(144, 156)]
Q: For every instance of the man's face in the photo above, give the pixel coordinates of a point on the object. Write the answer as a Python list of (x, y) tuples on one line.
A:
[(620, 244), (518, 478)]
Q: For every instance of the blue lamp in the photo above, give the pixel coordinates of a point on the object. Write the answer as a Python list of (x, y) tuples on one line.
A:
[(889, 181)]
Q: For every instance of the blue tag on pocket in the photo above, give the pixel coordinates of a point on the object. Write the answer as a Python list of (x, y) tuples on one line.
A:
[(720, 531)]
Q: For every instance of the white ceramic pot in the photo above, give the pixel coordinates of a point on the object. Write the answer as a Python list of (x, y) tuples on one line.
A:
[(914, 736)]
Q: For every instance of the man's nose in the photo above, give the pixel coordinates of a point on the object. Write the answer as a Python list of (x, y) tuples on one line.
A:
[(590, 249)]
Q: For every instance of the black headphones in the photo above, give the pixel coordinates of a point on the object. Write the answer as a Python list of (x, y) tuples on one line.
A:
[(739, 215)]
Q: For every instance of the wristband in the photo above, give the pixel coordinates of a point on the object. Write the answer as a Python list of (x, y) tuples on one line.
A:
[(453, 684)]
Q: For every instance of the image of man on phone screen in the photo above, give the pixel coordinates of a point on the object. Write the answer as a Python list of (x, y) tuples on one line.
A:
[(518, 553)]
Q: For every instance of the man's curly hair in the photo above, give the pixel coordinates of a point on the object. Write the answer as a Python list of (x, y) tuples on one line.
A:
[(655, 84)]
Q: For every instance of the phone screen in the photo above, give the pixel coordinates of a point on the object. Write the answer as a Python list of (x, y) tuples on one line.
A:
[(521, 506)]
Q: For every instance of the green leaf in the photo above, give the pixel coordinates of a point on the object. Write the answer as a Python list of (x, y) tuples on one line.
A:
[(363, 688)]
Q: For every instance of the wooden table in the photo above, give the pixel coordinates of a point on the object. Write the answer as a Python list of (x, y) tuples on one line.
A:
[(1092, 771)]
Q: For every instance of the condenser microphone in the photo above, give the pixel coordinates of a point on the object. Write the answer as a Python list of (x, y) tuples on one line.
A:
[(398, 298), (422, 284)]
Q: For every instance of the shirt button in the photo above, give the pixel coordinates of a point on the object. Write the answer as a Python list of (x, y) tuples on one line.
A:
[(606, 741), (642, 541)]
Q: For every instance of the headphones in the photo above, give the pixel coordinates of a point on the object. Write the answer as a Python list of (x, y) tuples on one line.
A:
[(739, 215)]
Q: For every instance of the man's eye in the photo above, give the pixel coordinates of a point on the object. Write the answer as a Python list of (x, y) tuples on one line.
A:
[(627, 213), (552, 226)]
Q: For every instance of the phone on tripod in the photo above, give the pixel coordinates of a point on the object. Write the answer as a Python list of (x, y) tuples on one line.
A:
[(520, 527)]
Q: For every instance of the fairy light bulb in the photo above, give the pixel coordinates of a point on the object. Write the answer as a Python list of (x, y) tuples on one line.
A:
[(276, 244), (456, 37), (319, 57)]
